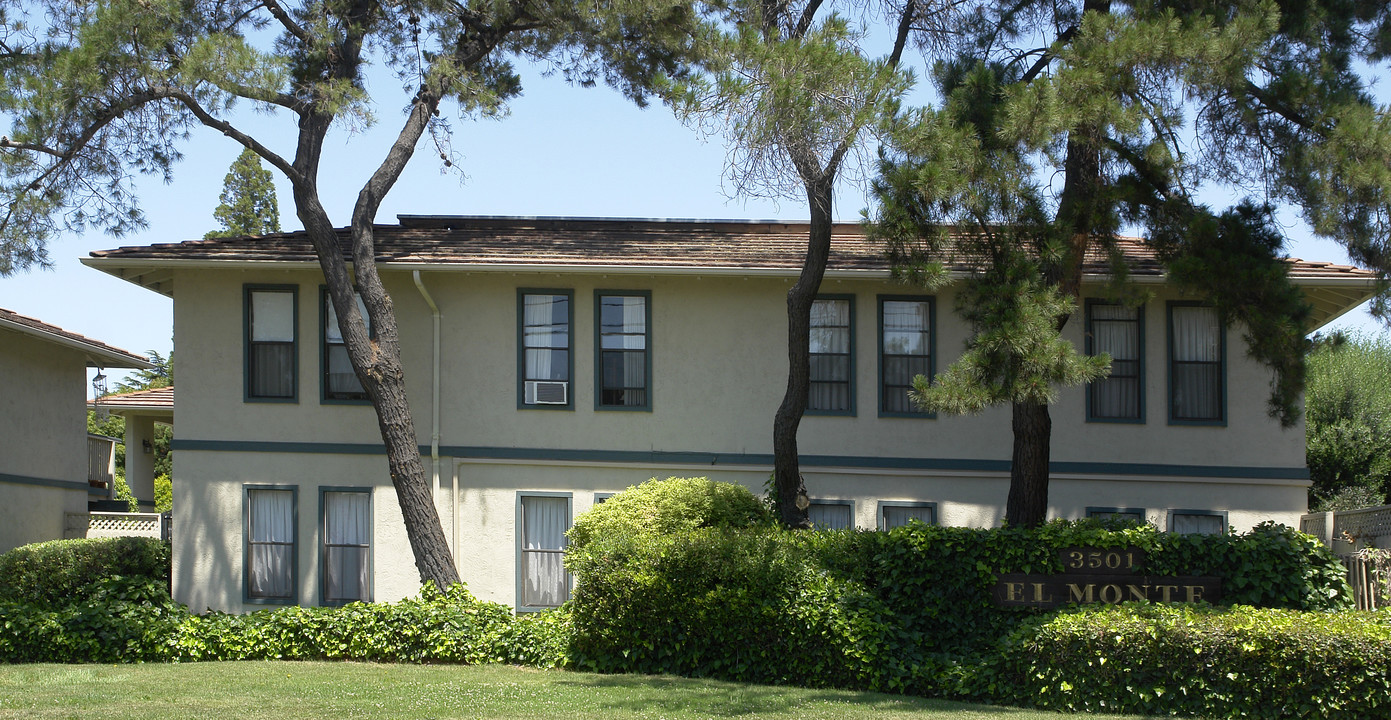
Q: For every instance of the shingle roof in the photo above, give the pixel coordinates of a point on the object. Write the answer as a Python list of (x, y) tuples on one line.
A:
[(156, 400), (99, 352), (603, 243)]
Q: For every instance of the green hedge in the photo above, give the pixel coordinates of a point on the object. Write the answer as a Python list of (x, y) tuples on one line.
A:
[(1239, 662), (58, 572)]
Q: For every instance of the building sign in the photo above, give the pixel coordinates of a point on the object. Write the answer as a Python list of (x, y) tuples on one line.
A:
[(1101, 575)]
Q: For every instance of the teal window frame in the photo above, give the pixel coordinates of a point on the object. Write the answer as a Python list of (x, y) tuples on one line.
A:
[(1091, 304), (1169, 525), (931, 351), (850, 358), (324, 397), (882, 519), (323, 544), (1103, 512), (520, 531), (247, 597), (247, 344), (599, 349), (522, 379), (1222, 368)]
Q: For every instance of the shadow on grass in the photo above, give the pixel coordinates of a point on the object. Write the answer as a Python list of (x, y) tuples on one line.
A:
[(718, 698)]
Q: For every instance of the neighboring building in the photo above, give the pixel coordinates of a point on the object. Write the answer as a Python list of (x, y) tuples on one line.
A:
[(577, 357), (44, 468), (143, 410)]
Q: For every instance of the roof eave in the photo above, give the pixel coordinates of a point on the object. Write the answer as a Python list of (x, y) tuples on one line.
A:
[(96, 355)]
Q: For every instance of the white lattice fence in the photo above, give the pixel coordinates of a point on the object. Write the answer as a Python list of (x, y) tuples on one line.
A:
[(103, 524)]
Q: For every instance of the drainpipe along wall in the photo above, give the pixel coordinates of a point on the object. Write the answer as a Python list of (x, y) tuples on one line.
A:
[(435, 414)]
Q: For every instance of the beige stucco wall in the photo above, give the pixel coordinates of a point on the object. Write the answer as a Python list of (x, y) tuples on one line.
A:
[(43, 438), (140, 465), (718, 369)]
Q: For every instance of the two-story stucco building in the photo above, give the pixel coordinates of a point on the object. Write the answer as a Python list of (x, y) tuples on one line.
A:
[(43, 427), (576, 357)]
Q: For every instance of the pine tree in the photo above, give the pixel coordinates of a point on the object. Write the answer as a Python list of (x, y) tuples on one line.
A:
[(1100, 109), (247, 205)]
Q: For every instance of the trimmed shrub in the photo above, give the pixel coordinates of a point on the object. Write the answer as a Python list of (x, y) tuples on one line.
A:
[(1239, 662), (58, 572), (670, 506), (121, 619)]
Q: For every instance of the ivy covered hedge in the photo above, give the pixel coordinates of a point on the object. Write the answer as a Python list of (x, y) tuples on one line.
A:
[(59, 572)]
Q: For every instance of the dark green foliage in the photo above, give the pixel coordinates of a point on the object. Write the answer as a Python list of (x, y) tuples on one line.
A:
[(247, 205), (1348, 434), (907, 610), (668, 506), (1239, 662), (116, 619), (63, 572)]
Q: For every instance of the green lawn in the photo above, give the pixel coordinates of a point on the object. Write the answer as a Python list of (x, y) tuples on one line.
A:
[(235, 690)]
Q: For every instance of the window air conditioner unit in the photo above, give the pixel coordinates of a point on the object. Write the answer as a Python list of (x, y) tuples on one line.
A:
[(546, 392)]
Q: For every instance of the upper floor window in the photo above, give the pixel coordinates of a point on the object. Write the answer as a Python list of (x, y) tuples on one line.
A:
[(340, 382), (832, 352), (624, 327), (272, 329), (905, 352), (1118, 331), (546, 326), (1197, 359), (270, 549)]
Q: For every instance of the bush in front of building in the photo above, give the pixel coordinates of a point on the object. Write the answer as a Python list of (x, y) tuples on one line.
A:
[(666, 507), (1237, 662), (62, 572)]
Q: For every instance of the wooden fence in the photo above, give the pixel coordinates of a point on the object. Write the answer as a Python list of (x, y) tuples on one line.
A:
[(1362, 539)]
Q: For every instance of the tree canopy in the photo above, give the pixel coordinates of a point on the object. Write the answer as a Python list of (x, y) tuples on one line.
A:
[(247, 205)]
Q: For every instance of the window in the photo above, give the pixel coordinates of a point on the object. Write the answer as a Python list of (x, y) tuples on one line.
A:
[(339, 382), (830, 515), (346, 555), (894, 514), (905, 352), (1197, 522), (545, 321), (1118, 331), (602, 497), (623, 324), (832, 363), (270, 545), (542, 522), (272, 327), (1197, 358), (1135, 515)]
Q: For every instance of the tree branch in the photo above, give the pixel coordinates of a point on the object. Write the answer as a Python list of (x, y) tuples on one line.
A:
[(288, 22), (905, 25), (230, 130), (808, 14)]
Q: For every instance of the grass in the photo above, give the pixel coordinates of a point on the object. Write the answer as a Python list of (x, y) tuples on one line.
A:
[(342, 691)]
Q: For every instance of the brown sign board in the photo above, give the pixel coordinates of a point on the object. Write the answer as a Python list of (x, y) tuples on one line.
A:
[(1047, 591)]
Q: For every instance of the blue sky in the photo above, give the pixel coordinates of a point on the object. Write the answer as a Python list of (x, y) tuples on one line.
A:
[(562, 151)]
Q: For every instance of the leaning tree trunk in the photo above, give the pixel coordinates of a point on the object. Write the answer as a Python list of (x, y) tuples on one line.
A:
[(789, 486)]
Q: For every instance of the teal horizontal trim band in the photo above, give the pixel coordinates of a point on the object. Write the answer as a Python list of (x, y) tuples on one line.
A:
[(43, 482), (654, 457)]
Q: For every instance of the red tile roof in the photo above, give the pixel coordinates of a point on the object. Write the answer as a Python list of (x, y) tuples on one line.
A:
[(106, 355), (157, 399)]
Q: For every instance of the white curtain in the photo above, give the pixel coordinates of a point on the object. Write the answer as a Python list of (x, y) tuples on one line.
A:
[(544, 522), (272, 316), (896, 515), (1190, 524), (271, 543), (546, 336), (1196, 372), (347, 545), (829, 516), (1116, 331), (830, 355), (272, 344), (906, 342)]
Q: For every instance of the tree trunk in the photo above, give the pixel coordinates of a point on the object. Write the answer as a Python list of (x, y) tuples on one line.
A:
[(790, 488), (1028, 471)]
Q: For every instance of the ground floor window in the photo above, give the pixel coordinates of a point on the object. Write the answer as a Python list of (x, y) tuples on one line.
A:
[(893, 514), (1197, 522), (1135, 515), (346, 554), (830, 515), (270, 544), (543, 520)]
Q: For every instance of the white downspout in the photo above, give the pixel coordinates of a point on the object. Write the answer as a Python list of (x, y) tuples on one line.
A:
[(435, 391)]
